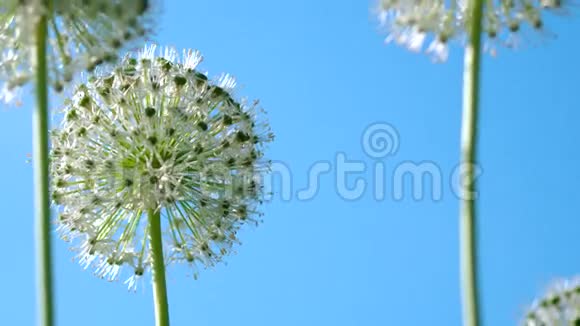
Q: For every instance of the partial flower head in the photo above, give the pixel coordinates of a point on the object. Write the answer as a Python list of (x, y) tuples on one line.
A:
[(412, 22), (559, 306), (82, 34), (156, 134)]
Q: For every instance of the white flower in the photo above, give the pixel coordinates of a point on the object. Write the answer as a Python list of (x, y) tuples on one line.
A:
[(156, 134), (439, 51), (560, 306), (191, 59), (82, 34), (411, 22), (10, 95), (411, 38)]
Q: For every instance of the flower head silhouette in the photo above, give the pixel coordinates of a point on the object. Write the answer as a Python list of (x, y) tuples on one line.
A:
[(559, 306), (412, 22), (156, 135), (82, 34)]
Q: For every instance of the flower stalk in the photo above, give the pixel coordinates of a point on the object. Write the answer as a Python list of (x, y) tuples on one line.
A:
[(469, 137), (158, 269), (41, 179)]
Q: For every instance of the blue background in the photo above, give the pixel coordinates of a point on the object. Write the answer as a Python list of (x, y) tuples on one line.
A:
[(324, 74)]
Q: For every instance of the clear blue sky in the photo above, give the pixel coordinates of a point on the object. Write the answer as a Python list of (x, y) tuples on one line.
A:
[(324, 74)]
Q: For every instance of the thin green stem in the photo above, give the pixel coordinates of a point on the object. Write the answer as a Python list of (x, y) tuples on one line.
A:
[(158, 270), (468, 229), (41, 180)]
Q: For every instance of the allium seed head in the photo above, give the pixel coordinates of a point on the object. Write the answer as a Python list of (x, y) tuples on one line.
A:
[(157, 134), (82, 34), (412, 22), (559, 306)]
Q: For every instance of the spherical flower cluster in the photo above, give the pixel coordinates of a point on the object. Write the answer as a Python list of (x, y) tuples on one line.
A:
[(156, 134), (82, 34), (560, 306), (411, 22)]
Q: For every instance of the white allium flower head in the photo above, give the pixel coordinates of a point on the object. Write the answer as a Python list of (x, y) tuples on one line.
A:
[(156, 134), (560, 306), (82, 34), (409, 22)]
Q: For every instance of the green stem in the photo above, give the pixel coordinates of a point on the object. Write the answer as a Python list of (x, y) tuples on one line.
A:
[(158, 269), (41, 180), (468, 232)]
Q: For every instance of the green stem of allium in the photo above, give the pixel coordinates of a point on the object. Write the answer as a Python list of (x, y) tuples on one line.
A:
[(41, 180), (158, 270), (468, 232)]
